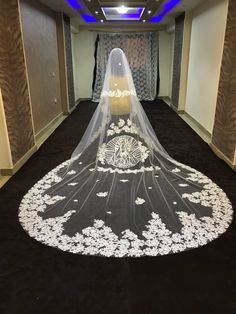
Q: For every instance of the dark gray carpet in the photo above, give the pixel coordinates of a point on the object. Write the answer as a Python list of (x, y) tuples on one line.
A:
[(36, 279)]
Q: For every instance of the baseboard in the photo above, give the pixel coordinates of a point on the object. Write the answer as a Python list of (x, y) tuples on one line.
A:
[(20, 163), (168, 101), (176, 109), (3, 180), (44, 134), (40, 138), (84, 99), (222, 156), (75, 106), (197, 127), (194, 124)]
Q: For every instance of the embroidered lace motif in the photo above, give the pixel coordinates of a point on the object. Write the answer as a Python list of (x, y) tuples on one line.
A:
[(122, 152), (118, 93), (100, 239)]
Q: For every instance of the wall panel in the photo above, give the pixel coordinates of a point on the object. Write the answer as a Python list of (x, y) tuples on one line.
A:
[(224, 132), (69, 64), (13, 82), (179, 29), (40, 40), (205, 57)]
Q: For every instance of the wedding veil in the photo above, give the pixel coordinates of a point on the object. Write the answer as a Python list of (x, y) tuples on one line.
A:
[(121, 194)]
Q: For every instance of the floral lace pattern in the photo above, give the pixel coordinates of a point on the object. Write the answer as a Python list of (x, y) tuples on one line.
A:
[(99, 239), (118, 93), (117, 170), (123, 152), (122, 126)]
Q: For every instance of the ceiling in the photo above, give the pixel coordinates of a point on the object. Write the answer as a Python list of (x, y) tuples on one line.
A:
[(141, 14)]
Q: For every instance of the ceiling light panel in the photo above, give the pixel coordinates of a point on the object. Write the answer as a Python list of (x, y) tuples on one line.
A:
[(123, 13), (127, 3)]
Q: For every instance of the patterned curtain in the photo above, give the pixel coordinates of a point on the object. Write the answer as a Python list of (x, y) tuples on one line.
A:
[(141, 50)]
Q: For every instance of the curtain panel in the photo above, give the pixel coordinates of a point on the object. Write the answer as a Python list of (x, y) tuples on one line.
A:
[(141, 50)]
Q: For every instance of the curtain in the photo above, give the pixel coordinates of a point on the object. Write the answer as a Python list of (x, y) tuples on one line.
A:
[(141, 50)]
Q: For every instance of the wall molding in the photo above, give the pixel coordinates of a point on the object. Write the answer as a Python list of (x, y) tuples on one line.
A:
[(208, 134), (62, 63), (75, 106), (197, 127), (222, 156), (84, 99), (19, 163), (44, 134), (40, 138)]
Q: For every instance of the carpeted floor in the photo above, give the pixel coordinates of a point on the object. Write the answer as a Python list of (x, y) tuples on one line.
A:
[(36, 279)]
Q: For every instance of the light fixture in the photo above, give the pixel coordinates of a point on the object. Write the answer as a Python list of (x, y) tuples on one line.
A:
[(166, 8), (149, 12), (132, 13), (96, 12), (144, 21), (88, 18), (101, 21), (74, 4), (122, 9)]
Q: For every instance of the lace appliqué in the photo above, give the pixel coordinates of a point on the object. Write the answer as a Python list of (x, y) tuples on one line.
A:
[(122, 126), (139, 201), (123, 152), (99, 239), (118, 93), (102, 194), (120, 171)]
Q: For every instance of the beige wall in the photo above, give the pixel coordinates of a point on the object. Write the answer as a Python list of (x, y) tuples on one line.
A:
[(206, 48), (5, 151), (40, 41), (83, 55), (165, 62)]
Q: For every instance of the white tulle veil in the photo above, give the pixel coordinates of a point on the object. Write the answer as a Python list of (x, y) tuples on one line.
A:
[(121, 194)]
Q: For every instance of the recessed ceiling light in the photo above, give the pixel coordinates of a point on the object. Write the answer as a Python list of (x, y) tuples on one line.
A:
[(133, 13), (149, 12), (96, 12), (122, 9)]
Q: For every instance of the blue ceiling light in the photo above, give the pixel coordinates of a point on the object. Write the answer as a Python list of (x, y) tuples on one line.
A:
[(88, 18), (167, 7), (74, 4), (122, 13)]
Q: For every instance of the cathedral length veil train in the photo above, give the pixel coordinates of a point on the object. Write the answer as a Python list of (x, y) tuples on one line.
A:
[(121, 194)]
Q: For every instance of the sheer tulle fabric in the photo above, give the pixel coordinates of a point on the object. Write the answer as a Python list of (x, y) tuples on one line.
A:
[(121, 194)]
